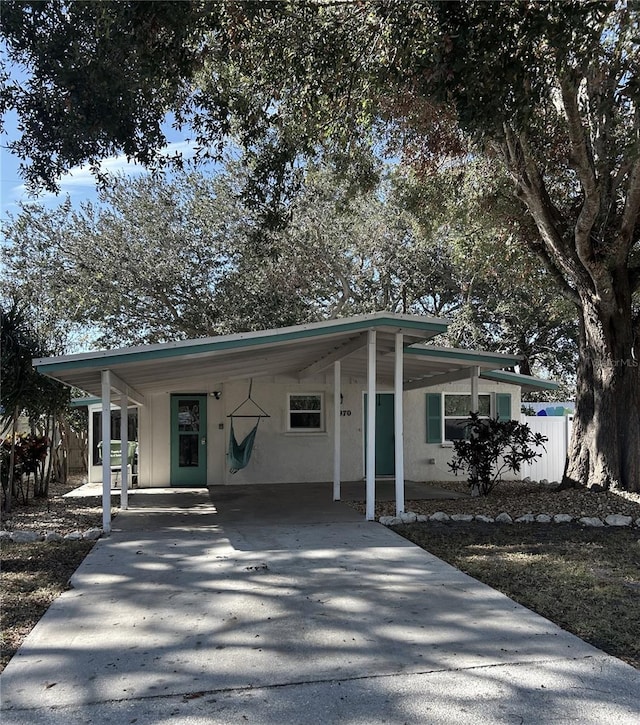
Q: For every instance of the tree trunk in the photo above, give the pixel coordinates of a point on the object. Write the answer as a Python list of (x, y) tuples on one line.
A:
[(8, 499), (64, 449), (605, 444), (51, 426)]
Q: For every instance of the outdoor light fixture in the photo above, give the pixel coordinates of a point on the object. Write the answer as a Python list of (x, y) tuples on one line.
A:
[(216, 394)]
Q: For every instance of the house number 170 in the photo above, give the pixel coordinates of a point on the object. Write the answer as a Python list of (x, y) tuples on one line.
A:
[(345, 412)]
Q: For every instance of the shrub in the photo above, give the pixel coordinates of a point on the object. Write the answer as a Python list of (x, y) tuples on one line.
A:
[(30, 455), (491, 448)]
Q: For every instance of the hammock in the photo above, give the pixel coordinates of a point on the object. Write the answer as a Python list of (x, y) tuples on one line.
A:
[(240, 453)]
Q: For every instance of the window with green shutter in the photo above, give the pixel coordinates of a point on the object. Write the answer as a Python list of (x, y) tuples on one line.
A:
[(503, 406), (434, 418), (457, 407)]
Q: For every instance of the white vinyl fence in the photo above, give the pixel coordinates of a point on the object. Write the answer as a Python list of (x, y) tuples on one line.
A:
[(558, 431)]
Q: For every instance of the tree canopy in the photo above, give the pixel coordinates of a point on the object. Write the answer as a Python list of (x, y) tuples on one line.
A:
[(551, 89), (169, 258)]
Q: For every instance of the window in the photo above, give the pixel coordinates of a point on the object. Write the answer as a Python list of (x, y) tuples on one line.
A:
[(132, 434), (447, 413), (306, 412), (456, 413)]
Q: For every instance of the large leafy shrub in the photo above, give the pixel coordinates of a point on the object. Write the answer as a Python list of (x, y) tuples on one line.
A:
[(491, 448)]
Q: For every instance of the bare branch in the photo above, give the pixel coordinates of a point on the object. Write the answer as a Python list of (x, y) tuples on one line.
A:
[(630, 213), (581, 159), (532, 190)]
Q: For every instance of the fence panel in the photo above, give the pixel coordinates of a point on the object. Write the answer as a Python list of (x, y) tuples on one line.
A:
[(551, 464)]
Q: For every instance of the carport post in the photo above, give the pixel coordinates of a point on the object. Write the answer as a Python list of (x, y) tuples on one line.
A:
[(475, 375), (398, 418), (371, 427), (106, 451), (336, 429), (124, 445)]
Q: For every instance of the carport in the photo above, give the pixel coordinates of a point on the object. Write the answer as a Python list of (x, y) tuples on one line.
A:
[(375, 348)]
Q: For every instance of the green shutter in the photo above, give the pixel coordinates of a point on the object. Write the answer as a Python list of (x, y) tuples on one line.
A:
[(503, 406), (434, 418)]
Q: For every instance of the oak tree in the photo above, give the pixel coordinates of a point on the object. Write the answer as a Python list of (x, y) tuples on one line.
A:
[(551, 88)]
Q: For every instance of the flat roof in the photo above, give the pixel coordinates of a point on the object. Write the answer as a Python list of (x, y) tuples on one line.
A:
[(301, 351)]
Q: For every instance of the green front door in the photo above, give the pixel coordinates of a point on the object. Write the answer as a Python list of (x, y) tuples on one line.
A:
[(188, 440), (385, 438)]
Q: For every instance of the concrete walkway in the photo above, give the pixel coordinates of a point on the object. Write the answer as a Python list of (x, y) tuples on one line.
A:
[(288, 608)]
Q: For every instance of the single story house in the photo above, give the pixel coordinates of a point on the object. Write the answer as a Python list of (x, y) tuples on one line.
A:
[(338, 400)]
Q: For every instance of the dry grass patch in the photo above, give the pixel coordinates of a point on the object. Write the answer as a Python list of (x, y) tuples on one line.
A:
[(585, 580), (32, 576)]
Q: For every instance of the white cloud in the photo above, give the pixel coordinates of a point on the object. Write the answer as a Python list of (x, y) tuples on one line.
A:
[(80, 179)]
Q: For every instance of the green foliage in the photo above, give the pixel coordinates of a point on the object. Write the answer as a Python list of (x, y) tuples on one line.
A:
[(25, 392), (551, 89), (82, 56), (491, 448), (505, 299), (166, 258), (30, 452), (18, 378)]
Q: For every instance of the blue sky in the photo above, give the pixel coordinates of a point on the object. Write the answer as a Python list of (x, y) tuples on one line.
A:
[(79, 184)]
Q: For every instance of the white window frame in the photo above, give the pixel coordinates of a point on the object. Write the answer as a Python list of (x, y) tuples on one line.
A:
[(307, 431), (448, 441)]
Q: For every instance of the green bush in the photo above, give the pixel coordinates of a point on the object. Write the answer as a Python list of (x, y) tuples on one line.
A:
[(493, 446), (30, 455)]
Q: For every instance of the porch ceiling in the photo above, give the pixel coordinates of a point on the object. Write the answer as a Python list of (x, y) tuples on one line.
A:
[(302, 351)]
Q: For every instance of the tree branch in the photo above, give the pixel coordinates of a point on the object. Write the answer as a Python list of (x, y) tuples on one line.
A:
[(531, 189), (566, 290), (634, 278), (630, 212), (581, 160)]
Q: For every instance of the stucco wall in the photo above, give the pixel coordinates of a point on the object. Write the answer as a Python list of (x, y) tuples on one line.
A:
[(281, 456), (418, 453)]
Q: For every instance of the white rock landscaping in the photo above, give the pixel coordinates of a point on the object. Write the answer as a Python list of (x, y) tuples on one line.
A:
[(53, 536), (505, 518), (617, 520), (24, 537), (591, 521), (28, 537)]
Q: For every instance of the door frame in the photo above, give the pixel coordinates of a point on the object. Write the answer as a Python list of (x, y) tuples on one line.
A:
[(198, 477)]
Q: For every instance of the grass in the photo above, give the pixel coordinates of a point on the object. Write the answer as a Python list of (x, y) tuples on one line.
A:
[(585, 580)]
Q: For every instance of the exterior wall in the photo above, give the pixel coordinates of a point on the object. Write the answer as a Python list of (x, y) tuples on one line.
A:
[(428, 461), (281, 456)]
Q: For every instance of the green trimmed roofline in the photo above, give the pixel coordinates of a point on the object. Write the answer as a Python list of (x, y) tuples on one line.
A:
[(103, 359), (504, 376)]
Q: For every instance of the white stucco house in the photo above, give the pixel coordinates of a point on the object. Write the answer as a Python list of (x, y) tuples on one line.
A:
[(339, 400)]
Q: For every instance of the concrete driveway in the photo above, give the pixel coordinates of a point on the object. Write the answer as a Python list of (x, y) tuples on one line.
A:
[(269, 610)]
